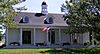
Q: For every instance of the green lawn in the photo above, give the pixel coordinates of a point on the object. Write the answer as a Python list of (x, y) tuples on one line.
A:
[(32, 51), (51, 51), (22, 51)]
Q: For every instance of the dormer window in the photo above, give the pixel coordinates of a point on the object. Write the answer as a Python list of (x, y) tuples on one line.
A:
[(48, 20), (24, 19)]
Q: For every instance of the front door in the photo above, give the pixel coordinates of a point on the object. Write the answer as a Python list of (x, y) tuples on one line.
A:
[(51, 36), (26, 37), (75, 39)]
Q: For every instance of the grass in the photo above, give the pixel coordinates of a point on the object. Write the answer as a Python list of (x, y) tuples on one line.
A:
[(51, 51), (22, 51), (32, 51)]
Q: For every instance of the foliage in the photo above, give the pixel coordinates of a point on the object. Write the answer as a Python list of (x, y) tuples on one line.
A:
[(82, 15), (85, 50), (7, 12), (97, 36), (0, 36)]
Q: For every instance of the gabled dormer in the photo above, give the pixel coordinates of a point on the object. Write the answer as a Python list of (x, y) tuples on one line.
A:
[(49, 20), (24, 19)]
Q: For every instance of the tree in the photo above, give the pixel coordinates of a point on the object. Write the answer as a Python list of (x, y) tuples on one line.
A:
[(0, 36), (82, 16), (7, 12)]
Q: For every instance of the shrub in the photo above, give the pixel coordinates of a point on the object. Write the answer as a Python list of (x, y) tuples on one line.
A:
[(14, 44)]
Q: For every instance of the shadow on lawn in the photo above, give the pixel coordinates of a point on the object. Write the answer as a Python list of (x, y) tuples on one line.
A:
[(54, 51), (73, 51)]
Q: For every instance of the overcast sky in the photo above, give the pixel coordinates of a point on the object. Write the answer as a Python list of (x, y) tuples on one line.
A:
[(35, 5)]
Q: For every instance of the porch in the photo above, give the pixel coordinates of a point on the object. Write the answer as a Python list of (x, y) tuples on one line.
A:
[(35, 38)]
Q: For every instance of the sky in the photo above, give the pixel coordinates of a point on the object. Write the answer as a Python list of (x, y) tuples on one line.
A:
[(35, 5)]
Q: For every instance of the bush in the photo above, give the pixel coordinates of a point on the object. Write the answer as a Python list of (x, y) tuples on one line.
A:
[(86, 43), (85, 50), (65, 44), (14, 44), (2, 44)]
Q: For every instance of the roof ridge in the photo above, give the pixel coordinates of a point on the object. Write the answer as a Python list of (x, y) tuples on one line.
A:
[(37, 12)]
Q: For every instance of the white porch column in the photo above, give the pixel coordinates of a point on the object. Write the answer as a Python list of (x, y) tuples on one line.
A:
[(59, 35), (47, 37), (7, 37), (34, 35), (20, 36), (71, 39), (82, 39), (48, 42)]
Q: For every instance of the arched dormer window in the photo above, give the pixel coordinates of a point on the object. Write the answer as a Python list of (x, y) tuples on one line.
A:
[(24, 19), (48, 20)]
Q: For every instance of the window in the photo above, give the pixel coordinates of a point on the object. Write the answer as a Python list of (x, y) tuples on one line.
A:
[(24, 19), (0, 27), (48, 20)]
